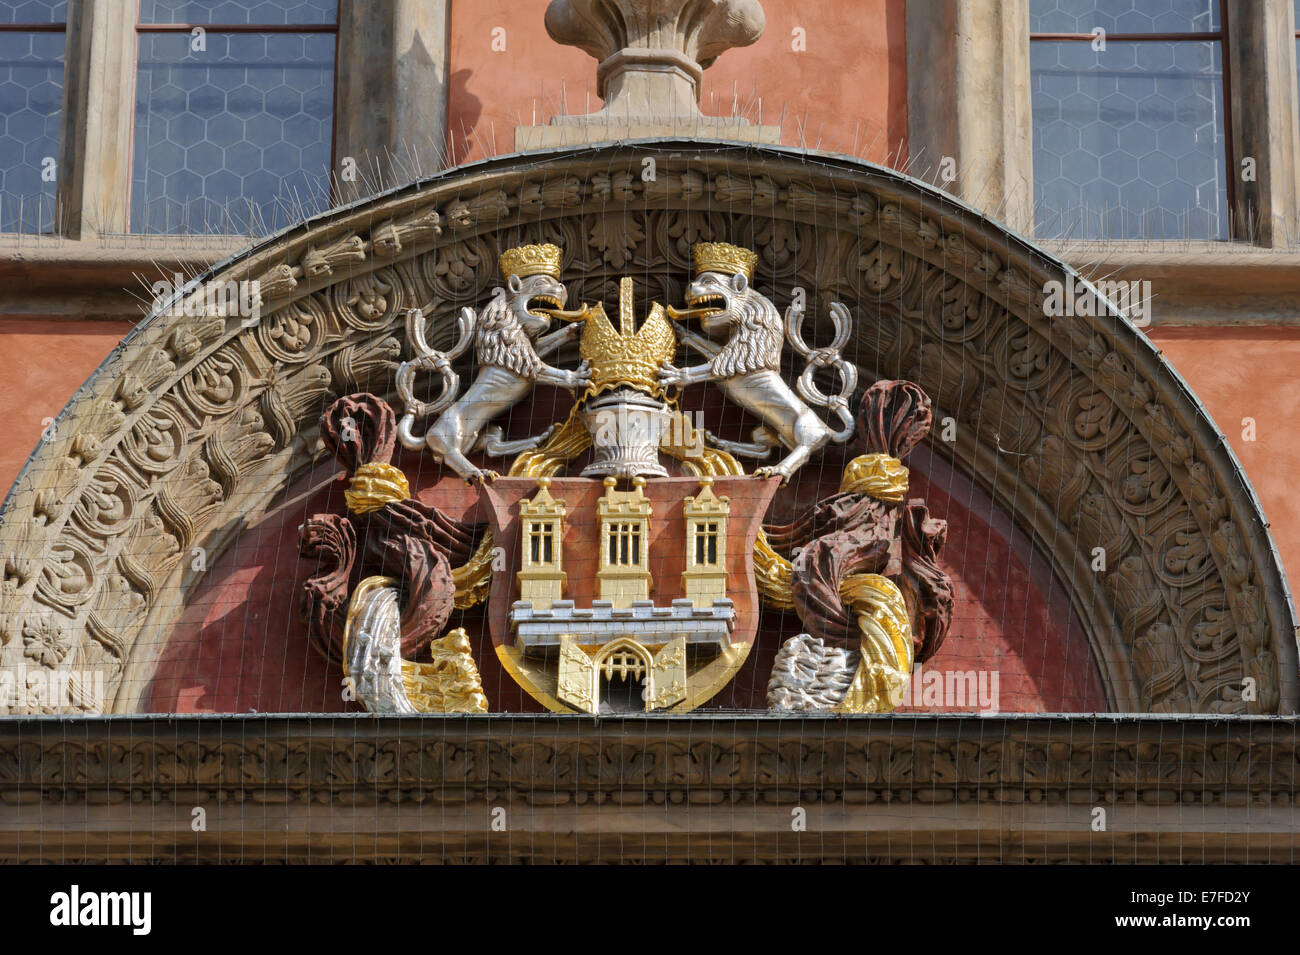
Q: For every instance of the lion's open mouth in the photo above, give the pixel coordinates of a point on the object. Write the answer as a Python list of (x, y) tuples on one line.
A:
[(537, 305), (700, 306)]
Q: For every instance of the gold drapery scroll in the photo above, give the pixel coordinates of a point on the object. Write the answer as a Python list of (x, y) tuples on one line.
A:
[(877, 475), (374, 485), (886, 664), (448, 683)]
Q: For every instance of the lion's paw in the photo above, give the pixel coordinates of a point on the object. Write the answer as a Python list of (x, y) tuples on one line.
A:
[(772, 471)]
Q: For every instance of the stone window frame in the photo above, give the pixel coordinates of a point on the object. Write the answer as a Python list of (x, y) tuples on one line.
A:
[(53, 26), (1219, 36), (969, 100), (390, 80)]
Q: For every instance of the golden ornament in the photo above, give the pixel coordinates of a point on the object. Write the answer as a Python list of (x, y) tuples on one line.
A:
[(725, 258), (525, 260), (374, 485)]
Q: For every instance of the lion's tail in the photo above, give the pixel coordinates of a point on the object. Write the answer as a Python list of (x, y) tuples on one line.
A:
[(427, 360)]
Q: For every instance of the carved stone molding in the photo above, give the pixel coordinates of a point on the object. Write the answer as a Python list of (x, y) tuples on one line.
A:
[(873, 789), (1076, 426)]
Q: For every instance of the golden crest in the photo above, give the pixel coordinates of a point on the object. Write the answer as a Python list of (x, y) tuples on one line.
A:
[(525, 260), (725, 258), (625, 356)]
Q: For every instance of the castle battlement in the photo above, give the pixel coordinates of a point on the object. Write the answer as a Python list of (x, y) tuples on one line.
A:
[(648, 623)]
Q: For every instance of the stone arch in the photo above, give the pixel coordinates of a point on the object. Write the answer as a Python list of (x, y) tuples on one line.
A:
[(1077, 427)]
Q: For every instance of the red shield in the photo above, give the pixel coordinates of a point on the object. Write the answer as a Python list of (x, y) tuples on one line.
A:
[(749, 499)]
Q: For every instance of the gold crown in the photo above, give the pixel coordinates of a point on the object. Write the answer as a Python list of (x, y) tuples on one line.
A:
[(525, 260), (725, 258), (623, 357)]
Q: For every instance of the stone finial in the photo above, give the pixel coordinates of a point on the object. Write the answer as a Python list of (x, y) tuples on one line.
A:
[(665, 44), (652, 55)]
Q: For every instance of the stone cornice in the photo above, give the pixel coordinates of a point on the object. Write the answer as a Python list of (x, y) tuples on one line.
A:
[(903, 788), (1203, 284), (48, 277)]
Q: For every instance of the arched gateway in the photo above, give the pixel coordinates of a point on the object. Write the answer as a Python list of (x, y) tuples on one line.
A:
[(200, 425)]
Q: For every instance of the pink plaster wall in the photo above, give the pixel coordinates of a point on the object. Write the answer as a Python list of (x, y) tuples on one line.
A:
[(1240, 373), (857, 106), (42, 364)]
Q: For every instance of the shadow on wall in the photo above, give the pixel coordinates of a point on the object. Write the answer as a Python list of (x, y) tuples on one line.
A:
[(467, 109)]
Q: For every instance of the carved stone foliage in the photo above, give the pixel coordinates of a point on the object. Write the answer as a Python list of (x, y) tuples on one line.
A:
[(652, 54), (1076, 427), (701, 32), (861, 532), (402, 538)]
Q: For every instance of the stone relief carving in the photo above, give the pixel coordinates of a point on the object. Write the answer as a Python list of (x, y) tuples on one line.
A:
[(385, 534), (1075, 427)]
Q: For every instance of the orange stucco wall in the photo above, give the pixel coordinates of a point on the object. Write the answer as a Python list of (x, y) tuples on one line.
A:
[(42, 364), (1241, 373), (846, 89)]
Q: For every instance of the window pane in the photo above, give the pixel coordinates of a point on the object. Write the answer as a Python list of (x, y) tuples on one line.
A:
[(33, 11), (1128, 142), (31, 107), (228, 12), (1123, 16), (233, 139)]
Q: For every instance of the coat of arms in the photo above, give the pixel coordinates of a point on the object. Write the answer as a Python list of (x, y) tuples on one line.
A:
[(622, 551)]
